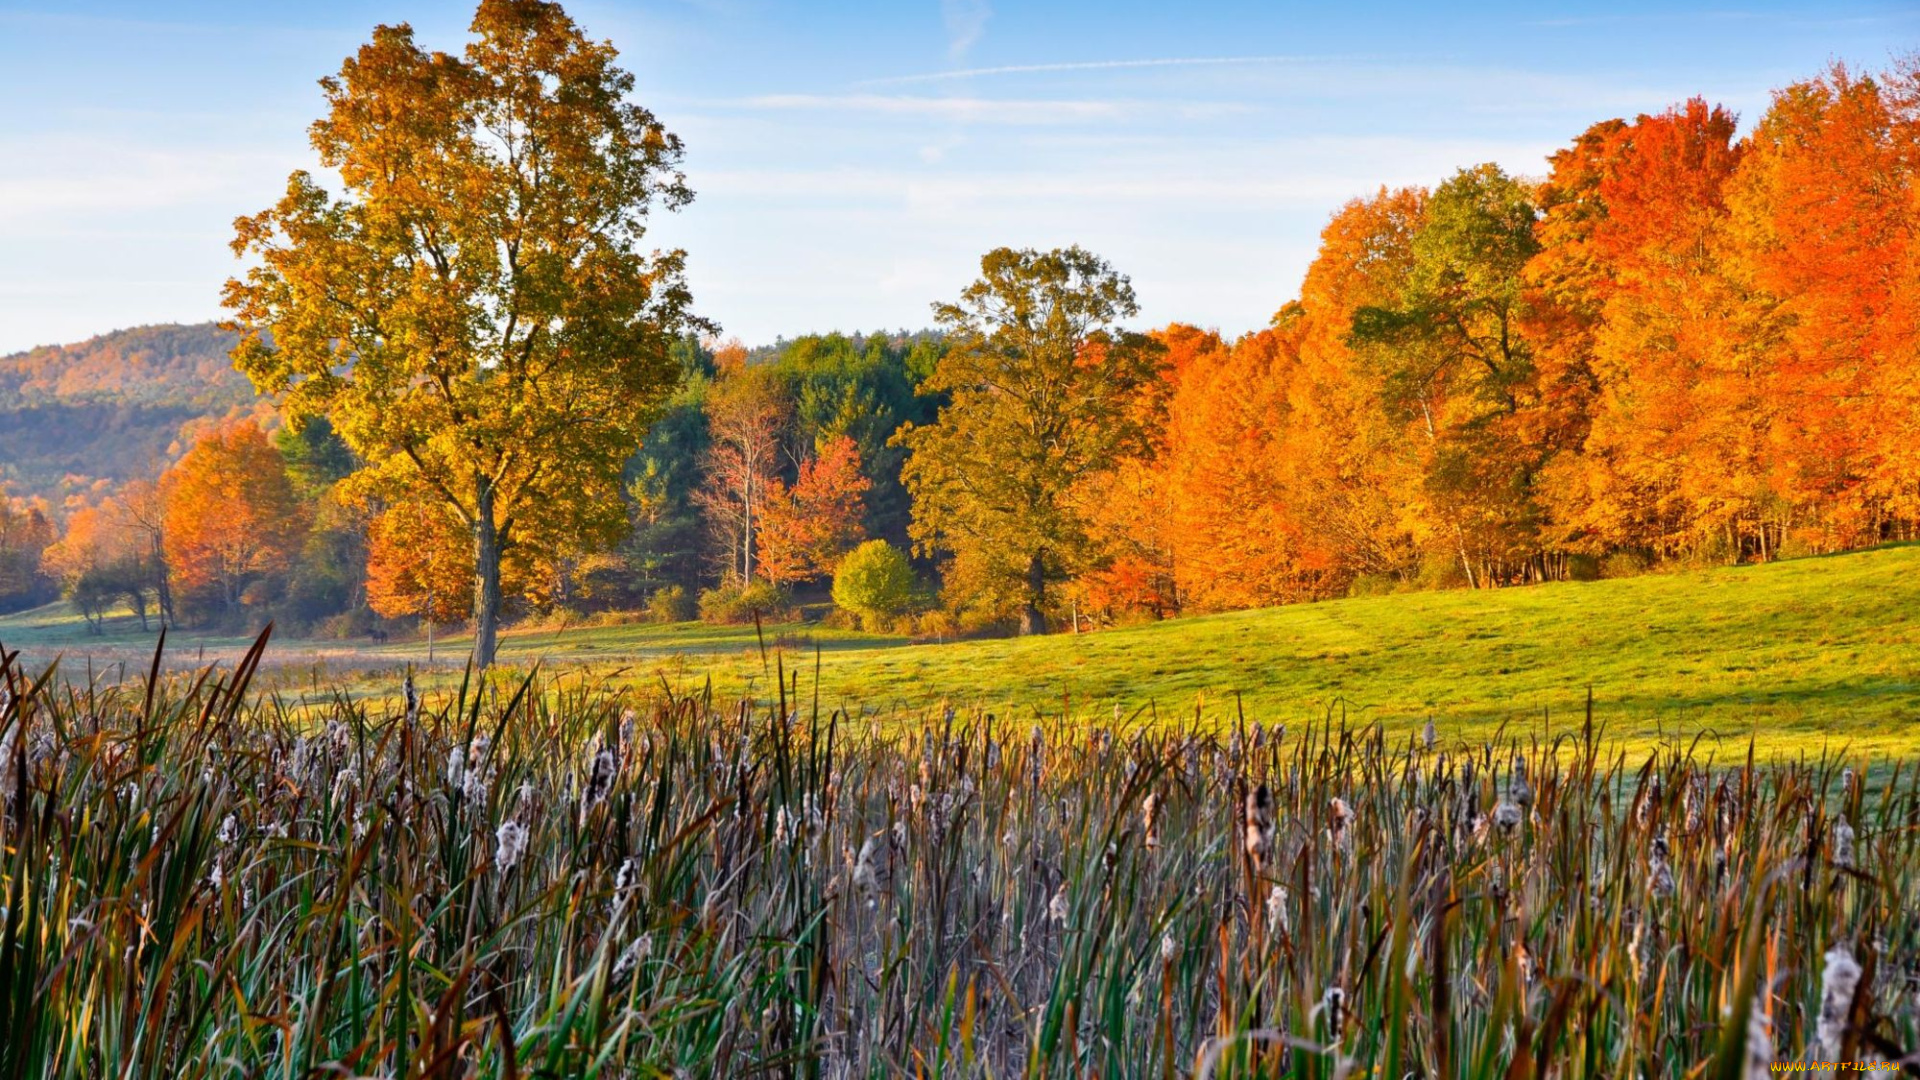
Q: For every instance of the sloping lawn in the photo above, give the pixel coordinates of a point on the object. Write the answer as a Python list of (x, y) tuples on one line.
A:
[(1804, 653)]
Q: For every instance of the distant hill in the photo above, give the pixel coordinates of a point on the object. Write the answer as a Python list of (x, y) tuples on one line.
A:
[(109, 407)]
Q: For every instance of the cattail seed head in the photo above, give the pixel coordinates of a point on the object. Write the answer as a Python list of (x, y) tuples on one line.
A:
[(1278, 922), (344, 782), (510, 843), (1340, 824), (1659, 868), (1333, 1004), (872, 872), (1506, 815), (1057, 908), (1150, 819), (1837, 984), (600, 774), (1259, 840), (1842, 843), (479, 772), (1518, 789)]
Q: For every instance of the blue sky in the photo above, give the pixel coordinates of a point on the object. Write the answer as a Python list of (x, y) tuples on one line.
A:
[(852, 161)]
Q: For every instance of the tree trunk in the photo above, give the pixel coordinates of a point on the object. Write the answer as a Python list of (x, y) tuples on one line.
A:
[(1032, 621), (1466, 564), (746, 533), (486, 578), (161, 585)]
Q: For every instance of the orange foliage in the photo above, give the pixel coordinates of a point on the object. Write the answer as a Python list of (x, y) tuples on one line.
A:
[(1238, 539), (1823, 235), (1126, 511), (232, 518), (804, 530), (1357, 481), (419, 562), (92, 540), (1631, 300)]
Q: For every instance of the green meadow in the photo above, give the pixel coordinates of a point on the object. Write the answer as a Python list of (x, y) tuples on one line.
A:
[(1800, 655)]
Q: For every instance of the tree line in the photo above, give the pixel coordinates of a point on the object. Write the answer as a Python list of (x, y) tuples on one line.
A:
[(1681, 345)]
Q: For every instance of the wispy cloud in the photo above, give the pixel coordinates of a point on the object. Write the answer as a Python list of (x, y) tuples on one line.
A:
[(50, 182), (966, 21), (1646, 18), (1091, 65), (1310, 174), (965, 109)]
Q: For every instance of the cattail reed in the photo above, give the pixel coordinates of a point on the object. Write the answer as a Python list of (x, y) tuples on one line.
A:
[(1842, 843), (1838, 980), (872, 871), (1659, 867), (1340, 824), (654, 893), (510, 844), (1259, 838)]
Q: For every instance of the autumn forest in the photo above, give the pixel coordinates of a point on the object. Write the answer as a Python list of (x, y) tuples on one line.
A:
[(1683, 345)]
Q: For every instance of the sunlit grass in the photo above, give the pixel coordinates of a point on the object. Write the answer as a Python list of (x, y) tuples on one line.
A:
[(1801, 655)]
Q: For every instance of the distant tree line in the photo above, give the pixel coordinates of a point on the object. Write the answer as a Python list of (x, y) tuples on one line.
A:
[(1681, 346)]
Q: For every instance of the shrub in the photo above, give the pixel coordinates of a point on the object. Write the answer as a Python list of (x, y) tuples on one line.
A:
[(874, 582), (1441, 570), (1583, 568), (734, 603), (1714, 549), (938, 625), (672, 604), (1373, 585), (1623, 564), (978, 621), (347, 624)]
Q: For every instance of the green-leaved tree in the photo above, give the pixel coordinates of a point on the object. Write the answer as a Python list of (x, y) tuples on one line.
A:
[(1457, 367), (473, 310), (1046, 391)]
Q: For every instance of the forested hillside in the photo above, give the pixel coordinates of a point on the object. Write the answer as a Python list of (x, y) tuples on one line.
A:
[(108, 408)]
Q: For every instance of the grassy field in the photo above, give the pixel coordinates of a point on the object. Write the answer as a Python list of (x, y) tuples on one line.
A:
[(1801, 653)]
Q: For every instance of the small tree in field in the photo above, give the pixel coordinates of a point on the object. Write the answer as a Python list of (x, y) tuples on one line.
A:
[(747, 410), (475, 311), (232, 517), (98, 565), (418, 565), (874, 582), (805, 529)]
